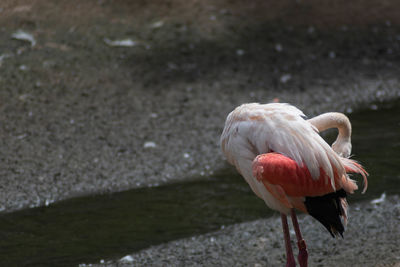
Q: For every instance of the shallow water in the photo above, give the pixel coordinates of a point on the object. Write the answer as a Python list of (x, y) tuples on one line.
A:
[(376, 144), (91, 228)]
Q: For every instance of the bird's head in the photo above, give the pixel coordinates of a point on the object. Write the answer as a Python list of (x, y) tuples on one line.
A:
[(342, 147)]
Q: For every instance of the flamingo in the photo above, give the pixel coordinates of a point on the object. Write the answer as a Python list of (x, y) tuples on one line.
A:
[(290, 166)]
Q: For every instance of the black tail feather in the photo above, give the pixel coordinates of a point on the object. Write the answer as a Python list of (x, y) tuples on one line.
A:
[(327, 209)]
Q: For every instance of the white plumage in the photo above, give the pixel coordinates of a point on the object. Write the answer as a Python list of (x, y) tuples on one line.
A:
[(254, 129)]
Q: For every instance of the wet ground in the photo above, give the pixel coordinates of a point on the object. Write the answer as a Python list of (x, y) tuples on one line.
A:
[(82, 114)]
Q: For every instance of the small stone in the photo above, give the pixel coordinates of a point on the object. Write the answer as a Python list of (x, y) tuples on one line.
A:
[(240, 52), (278, 47), (285, 78), (149, 144), (127, 258)]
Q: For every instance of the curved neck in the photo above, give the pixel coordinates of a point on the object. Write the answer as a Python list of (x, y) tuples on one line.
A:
[(342, 145), (333, 120)]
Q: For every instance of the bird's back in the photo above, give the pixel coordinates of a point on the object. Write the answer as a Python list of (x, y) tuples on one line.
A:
[(254, 129)]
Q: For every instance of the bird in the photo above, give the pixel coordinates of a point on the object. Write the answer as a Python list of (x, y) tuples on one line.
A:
[(287, 163)]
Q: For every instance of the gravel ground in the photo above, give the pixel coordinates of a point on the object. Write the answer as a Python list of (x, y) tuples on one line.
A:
[(81, 116), (372, 238)]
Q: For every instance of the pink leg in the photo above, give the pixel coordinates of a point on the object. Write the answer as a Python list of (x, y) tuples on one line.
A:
[(303, 254), (290, 262)]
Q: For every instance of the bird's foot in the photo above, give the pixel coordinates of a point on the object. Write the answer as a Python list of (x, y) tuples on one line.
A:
[(303, 254), (291, 263)]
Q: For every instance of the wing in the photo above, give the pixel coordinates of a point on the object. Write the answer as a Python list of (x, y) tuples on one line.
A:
[(274, 169)]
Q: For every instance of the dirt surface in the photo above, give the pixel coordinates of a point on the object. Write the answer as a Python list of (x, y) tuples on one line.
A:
[(79, 115), (370, 240)]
